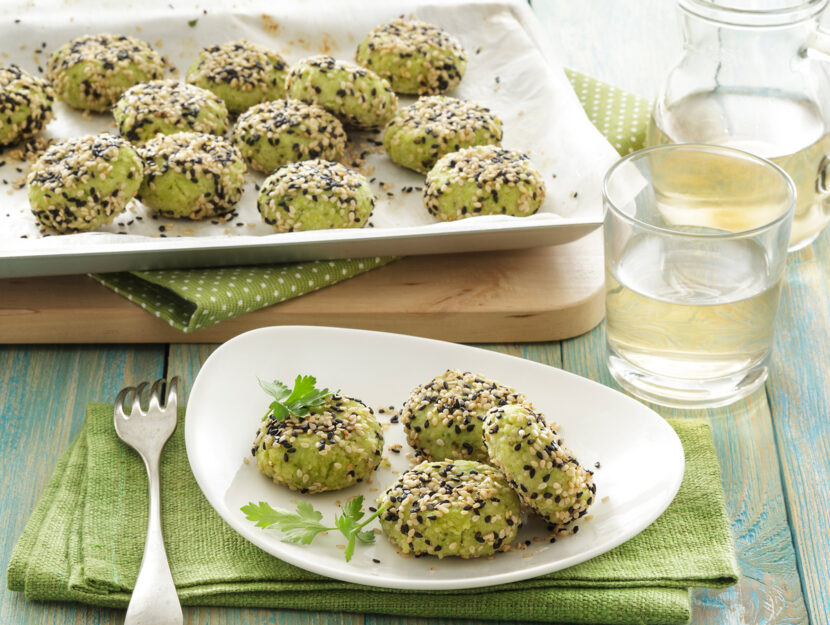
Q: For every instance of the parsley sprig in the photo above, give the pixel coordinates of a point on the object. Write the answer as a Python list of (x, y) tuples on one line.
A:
[(304, 525), (296, 402)]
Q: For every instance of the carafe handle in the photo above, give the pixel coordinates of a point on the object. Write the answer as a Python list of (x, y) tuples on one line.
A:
[(818, 46)]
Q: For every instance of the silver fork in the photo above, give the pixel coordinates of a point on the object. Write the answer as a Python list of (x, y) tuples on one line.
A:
[(154, 600)]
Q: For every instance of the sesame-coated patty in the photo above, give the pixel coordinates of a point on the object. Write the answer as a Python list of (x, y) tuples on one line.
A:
[(315, 195), (283, 131), (167, 107), (356, 95), (337, 445), (451, 508), (25, 104), (433, 126), (414, 56), (81, 184), (537, 464), (443, 418), (483, 180), (240, 72), (191, 175), (91, 72)]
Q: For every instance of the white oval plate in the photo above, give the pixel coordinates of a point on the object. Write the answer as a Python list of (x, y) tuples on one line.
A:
[(641, 457)]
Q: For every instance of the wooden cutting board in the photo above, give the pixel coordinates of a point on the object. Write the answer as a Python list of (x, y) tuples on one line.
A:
[(538, 294)]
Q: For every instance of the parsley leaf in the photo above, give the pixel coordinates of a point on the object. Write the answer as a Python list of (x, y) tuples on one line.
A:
[(296, 402), (304, 525), (300, 527)]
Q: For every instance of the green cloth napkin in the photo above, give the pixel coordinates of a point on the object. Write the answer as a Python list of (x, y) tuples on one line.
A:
[(190, 299), (85, 538)]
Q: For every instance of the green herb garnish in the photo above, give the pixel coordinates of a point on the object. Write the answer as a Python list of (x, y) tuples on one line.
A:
[(303, 525), (192, 23), (297, 402)]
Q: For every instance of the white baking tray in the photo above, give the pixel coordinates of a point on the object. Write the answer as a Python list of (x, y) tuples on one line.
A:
[(510, 70)]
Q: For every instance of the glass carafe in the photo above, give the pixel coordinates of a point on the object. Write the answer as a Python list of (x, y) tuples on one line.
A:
[(753, 76)]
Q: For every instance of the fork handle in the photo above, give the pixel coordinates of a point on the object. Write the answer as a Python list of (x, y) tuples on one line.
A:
[(154, 600)]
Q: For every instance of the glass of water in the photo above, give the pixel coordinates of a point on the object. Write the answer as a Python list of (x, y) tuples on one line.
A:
[(695, 251)]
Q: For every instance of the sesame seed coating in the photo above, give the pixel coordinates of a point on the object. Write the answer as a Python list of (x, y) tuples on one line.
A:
[(83, 183), (356, 95), (483, 180), (191, 175), (443, 418), (414, 56), (167, 107), (433, 126), (451, 508), (338, 444), (91, 72), (240, 72), (538, 466), (25, 104), (272, 134), (315, 195)]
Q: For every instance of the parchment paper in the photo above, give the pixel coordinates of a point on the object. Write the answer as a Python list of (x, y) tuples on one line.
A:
[(510, 70)]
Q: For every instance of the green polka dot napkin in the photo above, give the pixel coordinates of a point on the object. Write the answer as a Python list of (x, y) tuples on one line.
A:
[(190, 299), (620, 116)]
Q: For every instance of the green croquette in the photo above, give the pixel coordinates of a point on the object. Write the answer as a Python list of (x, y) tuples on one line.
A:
[(191, 175), (241, 73), (451, 508), (336, 446), (414, 56), (544, 472), (315, 195), (91, 72), (483, 180), (25, 104), (443, 419), (272, 134), (433, 126), (356, 95), (83, 183), (166, 107)]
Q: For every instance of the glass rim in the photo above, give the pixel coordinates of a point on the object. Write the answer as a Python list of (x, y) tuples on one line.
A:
[(700, 147), (735, 16)]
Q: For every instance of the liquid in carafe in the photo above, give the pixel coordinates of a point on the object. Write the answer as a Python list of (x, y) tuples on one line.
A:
[(788, 131)]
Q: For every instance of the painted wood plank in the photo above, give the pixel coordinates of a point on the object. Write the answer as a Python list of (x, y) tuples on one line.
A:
[(800, 396), (43, 392), (549, 353), (769, 590)]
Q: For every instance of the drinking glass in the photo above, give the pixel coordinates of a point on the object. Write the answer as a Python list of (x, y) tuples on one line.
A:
[(695, 251)]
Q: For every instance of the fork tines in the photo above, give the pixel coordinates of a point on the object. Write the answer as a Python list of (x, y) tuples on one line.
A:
[(131, 397)]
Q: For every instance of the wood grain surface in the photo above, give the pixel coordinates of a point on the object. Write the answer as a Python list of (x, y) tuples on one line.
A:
[(799, 396), (519, 295)]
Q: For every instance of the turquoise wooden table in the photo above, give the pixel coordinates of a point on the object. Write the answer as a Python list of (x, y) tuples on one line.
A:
[(774, 447)]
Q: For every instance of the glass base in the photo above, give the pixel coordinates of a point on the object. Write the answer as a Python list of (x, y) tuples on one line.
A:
[(680, 393)]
